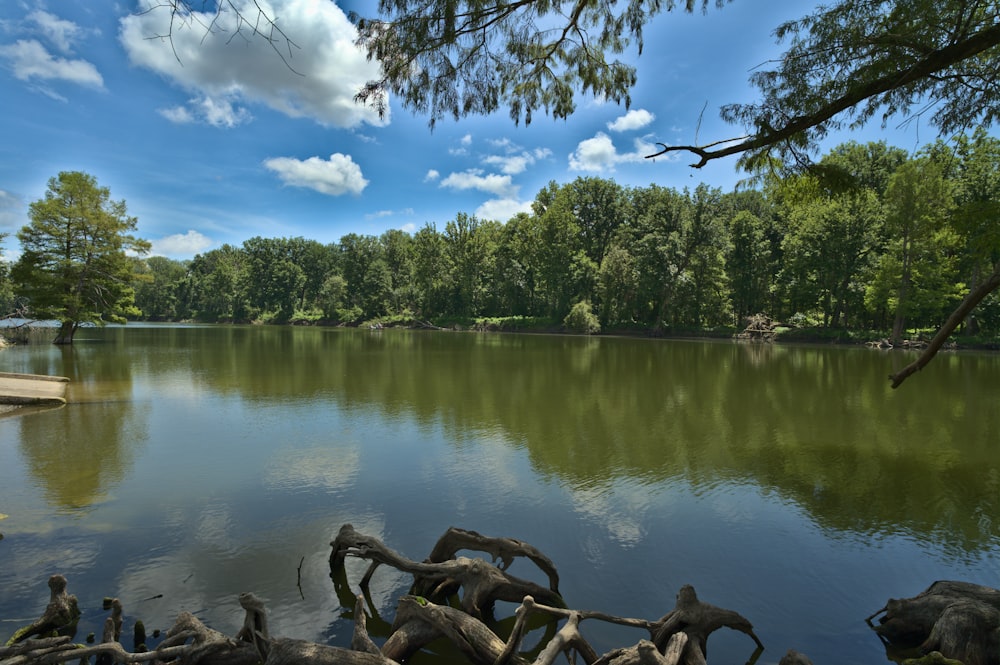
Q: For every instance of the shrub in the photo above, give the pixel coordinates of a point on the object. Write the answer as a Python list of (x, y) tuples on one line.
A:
[(581, 319)]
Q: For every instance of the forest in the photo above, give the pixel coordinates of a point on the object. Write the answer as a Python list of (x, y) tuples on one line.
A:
[(869, 239)]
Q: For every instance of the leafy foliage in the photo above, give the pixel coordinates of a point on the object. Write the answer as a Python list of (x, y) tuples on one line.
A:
[(581, 319), (457, 58), (78, 261)]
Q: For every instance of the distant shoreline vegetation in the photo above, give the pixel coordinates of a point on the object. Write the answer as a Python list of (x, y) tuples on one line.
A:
[(871, 244)]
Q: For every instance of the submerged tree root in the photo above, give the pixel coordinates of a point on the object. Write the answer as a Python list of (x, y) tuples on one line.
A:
[(452, 599), (957, 620)]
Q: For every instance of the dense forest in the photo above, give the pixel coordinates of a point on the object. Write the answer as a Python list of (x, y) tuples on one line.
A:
[(869, 238)]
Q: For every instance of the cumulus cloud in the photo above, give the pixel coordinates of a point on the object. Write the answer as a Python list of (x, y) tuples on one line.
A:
[(517, 162), (634, 119), (502, 210), (214, 111), (335, 176), (492, 183), (432, 175), (29, 60), (61, 33), (316, 79), (599, 154), (181, 245)]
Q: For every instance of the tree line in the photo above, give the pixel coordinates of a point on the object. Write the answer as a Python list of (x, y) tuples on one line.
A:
[(869, 238)]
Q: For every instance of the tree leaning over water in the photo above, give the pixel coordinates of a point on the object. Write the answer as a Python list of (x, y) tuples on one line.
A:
[(76, 266)]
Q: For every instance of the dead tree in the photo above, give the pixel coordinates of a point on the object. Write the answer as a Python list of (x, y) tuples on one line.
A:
[(959, 620)]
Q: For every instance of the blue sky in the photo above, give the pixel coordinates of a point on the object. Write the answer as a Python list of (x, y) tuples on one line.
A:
[(223, 141)]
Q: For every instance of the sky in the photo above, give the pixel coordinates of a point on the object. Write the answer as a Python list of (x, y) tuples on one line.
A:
[(212, 140)]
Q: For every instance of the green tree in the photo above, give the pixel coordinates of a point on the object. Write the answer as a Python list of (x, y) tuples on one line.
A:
[(617, 282), (581, 319), (398, 251), (830, 242), (274, 280), (748, 260), (157, 295), (447, 58), (920, 252), (216, 285), (75, 265), (974, 170), (8, 301)]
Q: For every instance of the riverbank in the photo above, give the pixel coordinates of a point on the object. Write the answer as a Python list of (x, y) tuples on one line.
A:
[(781, 333)]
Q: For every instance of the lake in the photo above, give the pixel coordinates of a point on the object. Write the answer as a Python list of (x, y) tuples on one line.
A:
[(787, 483)]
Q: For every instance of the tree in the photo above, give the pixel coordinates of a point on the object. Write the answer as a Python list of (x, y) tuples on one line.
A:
[(157, 296), (446, 58), (77, 263), (855, 59), (918, 204)]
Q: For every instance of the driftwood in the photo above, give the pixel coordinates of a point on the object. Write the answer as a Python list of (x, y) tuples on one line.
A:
[(947, 623), (760, 327), (481, 583), (958, 620)]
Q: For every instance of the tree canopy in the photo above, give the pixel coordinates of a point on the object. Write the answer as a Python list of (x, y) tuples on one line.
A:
[(78, 261), (845, 64)]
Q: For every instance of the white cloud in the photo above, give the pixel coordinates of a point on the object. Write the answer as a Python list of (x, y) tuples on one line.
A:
[(466, 140), (181, 245), (492, 183), (512, 164), (432, 175), (634, 119), (316, 77), (502, 210), (388, 213), (60, 32), (600, 154), (178, 114), (30, 60), (336, 176)]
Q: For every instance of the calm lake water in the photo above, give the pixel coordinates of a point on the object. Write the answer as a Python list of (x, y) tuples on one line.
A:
[(790, 484)]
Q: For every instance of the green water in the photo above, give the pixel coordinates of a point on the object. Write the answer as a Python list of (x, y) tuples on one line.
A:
[(790, 484)]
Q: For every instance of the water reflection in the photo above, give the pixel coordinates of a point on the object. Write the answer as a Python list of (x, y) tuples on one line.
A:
[(81, 451), (200, 462), (819, 425)]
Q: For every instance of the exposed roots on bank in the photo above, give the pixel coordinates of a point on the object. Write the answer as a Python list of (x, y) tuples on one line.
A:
[(452, 598)]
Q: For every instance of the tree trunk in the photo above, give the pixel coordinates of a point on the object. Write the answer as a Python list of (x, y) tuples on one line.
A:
[(66, 331)]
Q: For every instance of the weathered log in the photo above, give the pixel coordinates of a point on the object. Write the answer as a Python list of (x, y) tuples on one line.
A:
[(285, 651), (419, 622), (505, 549), (646, 653), (568, 639), (958, 619)]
